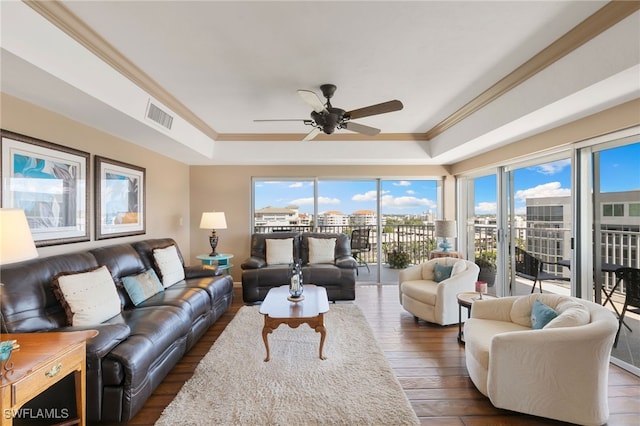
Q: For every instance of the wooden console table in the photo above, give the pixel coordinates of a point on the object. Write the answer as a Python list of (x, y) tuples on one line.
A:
[(42, 360), (437, 254)]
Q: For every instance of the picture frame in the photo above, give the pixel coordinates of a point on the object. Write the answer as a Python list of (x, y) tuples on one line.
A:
[(49, 182), (120, 199)]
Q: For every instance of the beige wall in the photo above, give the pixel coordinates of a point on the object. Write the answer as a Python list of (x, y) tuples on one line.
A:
[(228, 189), (167, 181)]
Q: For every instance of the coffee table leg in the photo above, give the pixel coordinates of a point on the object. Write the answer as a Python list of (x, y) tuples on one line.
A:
[(323, 334), (265, 331)]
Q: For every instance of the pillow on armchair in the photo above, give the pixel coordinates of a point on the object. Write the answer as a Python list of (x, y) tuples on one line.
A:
[(441, 272)]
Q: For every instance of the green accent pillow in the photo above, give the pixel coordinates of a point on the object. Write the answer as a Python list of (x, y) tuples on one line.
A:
[(541, 315), (142, 286), (441, 272)]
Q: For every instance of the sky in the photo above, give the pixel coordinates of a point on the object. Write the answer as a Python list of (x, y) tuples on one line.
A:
[(398, 196), (619, 172)]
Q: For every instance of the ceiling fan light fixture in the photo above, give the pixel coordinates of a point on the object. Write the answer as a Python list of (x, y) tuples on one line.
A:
[(325, 118)]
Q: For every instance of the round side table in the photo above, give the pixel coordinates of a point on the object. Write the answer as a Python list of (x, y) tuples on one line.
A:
[(465, 300), (222, 260)]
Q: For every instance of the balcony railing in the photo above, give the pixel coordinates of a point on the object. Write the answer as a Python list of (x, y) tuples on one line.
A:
[(550, 244), (415, 240)]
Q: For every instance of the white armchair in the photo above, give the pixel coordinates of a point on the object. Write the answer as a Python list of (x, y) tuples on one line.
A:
[(433, 301), (560, 371)]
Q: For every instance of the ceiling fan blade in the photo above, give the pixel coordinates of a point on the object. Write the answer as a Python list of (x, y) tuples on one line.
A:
[(305, 120), (394, 105), (312, 99), (312, 134), (361, 128)]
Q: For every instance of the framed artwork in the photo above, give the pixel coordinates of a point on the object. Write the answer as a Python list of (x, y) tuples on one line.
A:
[(120, 199), (49, 182)]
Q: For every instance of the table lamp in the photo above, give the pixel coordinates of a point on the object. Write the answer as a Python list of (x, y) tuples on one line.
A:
[(16, 245), (213, 221), (445, 229)]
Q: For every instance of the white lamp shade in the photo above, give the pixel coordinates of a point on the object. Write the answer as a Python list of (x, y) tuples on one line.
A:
[(445, 228), (16, 242), (213, 220)]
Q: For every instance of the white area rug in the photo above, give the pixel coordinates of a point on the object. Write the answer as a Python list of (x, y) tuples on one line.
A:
[(233, 385)]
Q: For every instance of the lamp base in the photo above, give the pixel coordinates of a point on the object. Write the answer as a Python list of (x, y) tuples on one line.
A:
[(213, 242), (445, 245)]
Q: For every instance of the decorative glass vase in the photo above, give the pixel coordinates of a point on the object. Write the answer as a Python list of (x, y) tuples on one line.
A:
[(295, 284)]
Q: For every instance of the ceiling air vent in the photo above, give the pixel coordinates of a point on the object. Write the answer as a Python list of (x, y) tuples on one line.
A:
[(154, 113)]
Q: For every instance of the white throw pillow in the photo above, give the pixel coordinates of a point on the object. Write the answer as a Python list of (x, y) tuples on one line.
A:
[(279, 251), (570, 314), (458, 267), (322, 250), (88, 298), (170, 266)]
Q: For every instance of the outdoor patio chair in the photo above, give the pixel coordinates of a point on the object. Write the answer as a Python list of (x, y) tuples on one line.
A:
[(631, 279), (360, 244), (532, 268)]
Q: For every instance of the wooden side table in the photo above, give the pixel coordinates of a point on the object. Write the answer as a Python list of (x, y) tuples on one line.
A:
[(465, 300), (222, 260), (437, 253), (42, 360)]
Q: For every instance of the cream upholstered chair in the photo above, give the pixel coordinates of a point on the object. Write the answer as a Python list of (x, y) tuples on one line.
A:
[(560, 371), (423, 296)]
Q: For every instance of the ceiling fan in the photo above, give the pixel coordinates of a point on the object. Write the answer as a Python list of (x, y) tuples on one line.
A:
[(326, 118)]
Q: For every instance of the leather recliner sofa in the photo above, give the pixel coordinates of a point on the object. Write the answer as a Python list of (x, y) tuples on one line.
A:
[(134, 350), (338, 277)]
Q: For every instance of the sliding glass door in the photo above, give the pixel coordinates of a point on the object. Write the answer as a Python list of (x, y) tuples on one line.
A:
[(540, 226), (382, 216), (614, 192), (351, 206)]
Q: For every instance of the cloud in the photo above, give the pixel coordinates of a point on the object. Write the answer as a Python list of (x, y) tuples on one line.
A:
[(551, 189), (486, 208), (411, 192), (407, 202), (402, 183), (309, 201), (327, 200), (301, 201), (367, 196), (553, 167), (296, 185)]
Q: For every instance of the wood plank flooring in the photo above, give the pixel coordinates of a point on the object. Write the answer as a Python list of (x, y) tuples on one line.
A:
[(428, 362)]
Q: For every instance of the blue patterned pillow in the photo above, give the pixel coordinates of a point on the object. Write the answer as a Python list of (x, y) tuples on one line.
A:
[(142, 286), (541, 315), (441, 272)]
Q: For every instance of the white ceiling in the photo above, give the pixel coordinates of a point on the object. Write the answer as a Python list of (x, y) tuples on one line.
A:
[(229, 63)]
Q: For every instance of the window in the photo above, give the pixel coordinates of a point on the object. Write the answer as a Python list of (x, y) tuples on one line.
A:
[(613, 210), (634, 209)]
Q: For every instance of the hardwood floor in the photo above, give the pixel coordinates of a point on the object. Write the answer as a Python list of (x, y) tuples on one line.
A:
[(428, 362)]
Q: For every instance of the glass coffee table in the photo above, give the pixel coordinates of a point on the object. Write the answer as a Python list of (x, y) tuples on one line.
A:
[(277, 309)]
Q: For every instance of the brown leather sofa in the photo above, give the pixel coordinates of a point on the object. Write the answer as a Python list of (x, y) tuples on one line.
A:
[(134, 350), (339, 277)]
